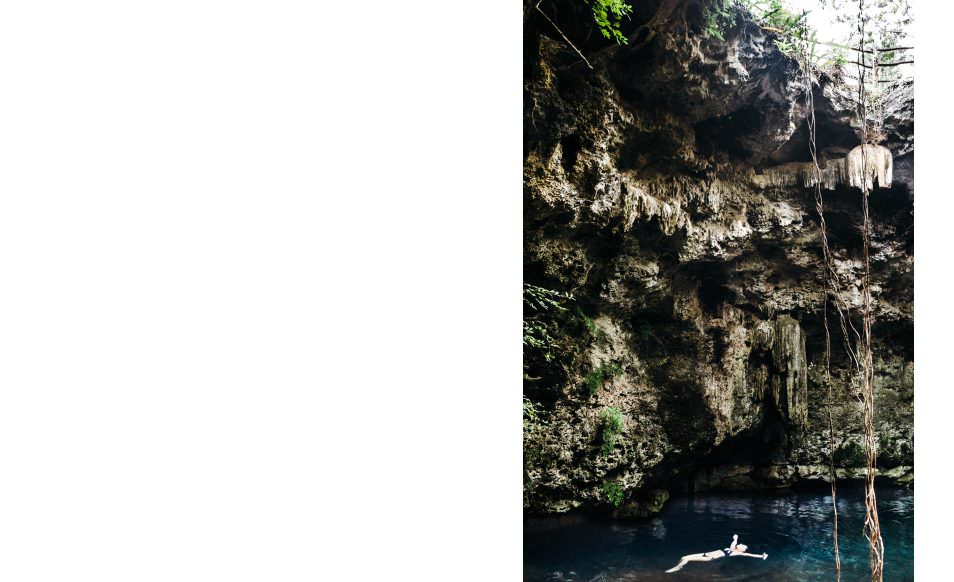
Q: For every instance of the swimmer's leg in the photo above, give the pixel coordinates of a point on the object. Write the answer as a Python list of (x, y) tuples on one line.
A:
[(678, 566), (686, 559)]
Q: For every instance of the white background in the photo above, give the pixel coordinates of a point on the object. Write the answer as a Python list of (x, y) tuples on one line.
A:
[(260, 269)]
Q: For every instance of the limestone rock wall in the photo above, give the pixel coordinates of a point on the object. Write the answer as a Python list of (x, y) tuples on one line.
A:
[(695, 275)]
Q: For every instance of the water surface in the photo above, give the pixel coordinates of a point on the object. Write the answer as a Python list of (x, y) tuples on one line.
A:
[(794, 528)]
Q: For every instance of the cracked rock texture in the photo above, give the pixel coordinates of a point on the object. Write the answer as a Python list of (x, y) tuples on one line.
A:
[(696, 276)]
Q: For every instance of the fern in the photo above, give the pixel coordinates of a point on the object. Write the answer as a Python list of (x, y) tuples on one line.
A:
[(540, 299), (541, 303)]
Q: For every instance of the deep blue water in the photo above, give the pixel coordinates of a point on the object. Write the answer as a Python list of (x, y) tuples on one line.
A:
[(793, 528)]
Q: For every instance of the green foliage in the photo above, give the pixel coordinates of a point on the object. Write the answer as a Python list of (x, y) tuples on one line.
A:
[(608, 15), (891, 452), (588, 321), (540, 305), (775, 14), (795, 38), (594, 329), (613, 493), (594, 381), (540, 299), (850, 454), (835, 58), (535, 335), (717, 18), (531, 410), (596, 378), (612, 420)]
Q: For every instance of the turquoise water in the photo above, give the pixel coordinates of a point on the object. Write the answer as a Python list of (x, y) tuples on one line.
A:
[(793, 528)]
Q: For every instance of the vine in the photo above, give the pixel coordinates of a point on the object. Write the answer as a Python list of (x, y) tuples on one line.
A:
[(872, 525), (861, 356), (827, 278)]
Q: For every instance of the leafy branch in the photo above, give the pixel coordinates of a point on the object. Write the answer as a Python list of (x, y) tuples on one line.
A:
[(540, 305), (609, 15)]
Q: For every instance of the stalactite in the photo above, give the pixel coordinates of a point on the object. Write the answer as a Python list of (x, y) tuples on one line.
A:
[(643, 206), (867, 164), (790, 386), (848, 171)]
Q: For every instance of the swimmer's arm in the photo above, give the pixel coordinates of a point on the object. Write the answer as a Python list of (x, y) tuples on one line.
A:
[(735, 540), (760, 556)]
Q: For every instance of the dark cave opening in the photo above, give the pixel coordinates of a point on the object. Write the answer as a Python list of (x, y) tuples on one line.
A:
[(711, 282), (570, 146), (723, 133), (713, 293)]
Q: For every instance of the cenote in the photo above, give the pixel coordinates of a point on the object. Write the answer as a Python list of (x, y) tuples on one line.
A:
[(718, 294), (794, 528)]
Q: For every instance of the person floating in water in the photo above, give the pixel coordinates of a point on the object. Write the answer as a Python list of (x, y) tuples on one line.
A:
[(736, 549)]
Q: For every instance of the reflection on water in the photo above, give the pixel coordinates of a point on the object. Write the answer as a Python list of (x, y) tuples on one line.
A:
[(793, 528)]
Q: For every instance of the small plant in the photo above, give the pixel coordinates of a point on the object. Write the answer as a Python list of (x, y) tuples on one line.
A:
[(608, 15), (594, 381), (613, 493), (596, 378), (588, 321), (594, 329), (612, 420)]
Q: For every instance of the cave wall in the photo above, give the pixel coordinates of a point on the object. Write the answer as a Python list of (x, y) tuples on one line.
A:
[(657, 192)]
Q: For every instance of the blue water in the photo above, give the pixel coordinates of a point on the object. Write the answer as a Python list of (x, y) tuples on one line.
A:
[(793, 528)]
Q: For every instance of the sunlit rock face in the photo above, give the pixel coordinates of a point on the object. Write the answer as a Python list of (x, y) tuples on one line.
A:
[(669, 191)]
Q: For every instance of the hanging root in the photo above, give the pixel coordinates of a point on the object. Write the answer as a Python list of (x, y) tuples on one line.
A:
[(872, 526), (573, 46), (828, 270), (863, 167)]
